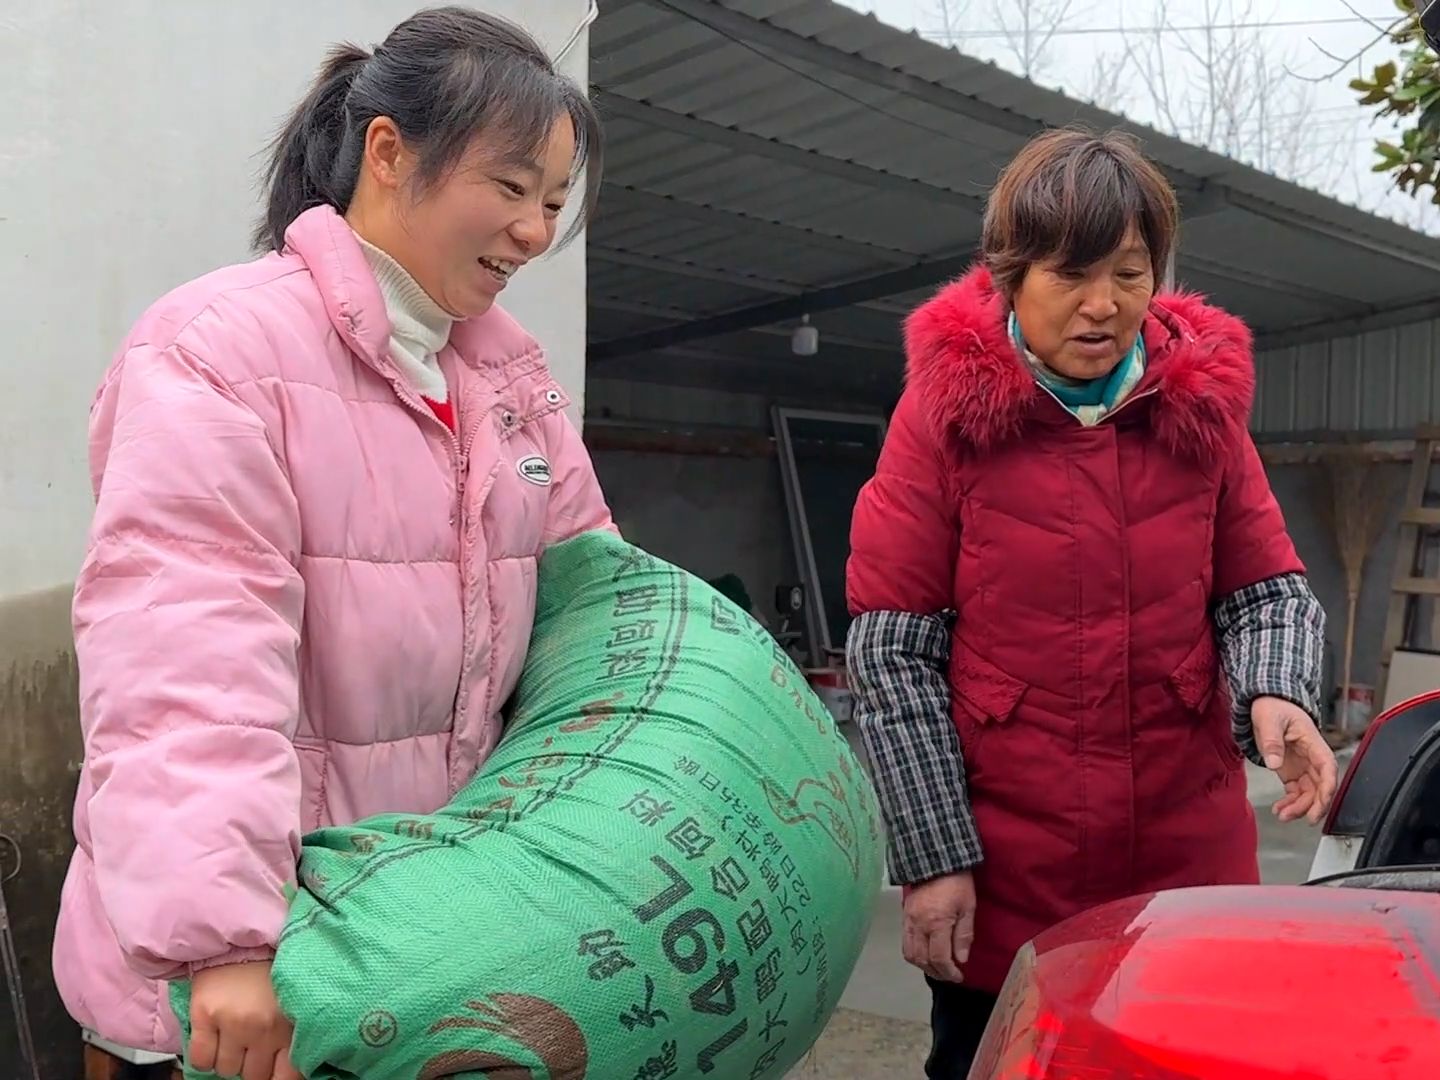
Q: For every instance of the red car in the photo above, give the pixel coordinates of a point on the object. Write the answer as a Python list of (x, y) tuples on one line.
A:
[(1337, 979)]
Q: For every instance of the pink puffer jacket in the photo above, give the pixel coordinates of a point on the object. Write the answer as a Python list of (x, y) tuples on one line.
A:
[(304, 602)]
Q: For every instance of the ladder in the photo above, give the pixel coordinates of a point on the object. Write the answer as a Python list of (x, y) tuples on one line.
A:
[(1409, 583)]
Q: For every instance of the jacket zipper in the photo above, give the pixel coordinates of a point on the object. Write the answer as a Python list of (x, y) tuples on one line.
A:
[(1128, 713), (1127, 403), (458, 453), (460, 462), (460, 447), (1108, 416)]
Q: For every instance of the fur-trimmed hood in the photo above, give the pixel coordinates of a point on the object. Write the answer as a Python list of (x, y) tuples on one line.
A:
[(973, 388)]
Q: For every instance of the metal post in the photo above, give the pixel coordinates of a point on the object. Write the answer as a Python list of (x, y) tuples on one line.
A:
[(11, 963)]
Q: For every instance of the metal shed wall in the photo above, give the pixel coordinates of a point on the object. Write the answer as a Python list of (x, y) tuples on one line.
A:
[(1380, 383)]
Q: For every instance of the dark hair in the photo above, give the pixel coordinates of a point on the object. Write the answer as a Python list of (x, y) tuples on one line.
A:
[(1071, 195), (444, 76)]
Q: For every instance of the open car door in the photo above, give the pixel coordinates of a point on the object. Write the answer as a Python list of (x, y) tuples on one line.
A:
[(1387, 810)]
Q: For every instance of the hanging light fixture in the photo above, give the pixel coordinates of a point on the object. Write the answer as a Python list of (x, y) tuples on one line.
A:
[(805, 341)]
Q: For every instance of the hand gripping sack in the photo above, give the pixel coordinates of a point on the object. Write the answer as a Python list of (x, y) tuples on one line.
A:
[(666, 869)]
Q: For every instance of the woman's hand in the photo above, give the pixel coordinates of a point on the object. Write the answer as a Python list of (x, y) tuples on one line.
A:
[(940, 925), (237, 1030), (1293, 748)]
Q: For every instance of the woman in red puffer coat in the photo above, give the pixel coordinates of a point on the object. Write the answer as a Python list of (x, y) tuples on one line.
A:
[(1075, 597)]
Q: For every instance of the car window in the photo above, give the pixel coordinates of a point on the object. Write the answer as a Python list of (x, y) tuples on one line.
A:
[(1379, 763)]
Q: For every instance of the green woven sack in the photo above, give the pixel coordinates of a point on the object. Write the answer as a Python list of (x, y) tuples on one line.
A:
[(666, 869)]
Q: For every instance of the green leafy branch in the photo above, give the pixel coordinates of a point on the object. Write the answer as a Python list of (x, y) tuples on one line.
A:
[(1410, 89)]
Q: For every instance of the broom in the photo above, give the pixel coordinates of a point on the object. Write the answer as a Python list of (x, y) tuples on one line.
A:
[(1355, 501)]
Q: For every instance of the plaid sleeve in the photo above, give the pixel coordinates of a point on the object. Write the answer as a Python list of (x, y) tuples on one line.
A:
[(898, 671), (1272, 644)]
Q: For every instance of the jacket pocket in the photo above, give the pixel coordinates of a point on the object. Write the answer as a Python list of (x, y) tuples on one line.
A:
[(1197, 684), (986, 694), (1194, 681)]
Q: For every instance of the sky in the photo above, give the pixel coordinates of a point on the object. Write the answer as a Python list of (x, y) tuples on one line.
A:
[(1278, 69)]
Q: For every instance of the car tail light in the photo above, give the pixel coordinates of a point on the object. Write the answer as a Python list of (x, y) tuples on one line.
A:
[(1226, 984), (1026, 1040)]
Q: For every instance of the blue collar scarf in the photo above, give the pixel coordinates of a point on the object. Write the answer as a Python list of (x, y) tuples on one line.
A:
[(1089, 400)]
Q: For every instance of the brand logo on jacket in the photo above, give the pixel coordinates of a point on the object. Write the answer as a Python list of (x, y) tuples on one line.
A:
[(535, 469)]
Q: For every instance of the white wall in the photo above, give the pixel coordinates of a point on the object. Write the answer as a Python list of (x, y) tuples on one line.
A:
[(132, 140)]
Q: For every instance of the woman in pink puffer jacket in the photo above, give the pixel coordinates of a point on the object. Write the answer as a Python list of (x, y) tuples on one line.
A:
[(323, 481)]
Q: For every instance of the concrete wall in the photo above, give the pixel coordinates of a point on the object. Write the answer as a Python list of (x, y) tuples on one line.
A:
[(133, 138), (709, 514), (39, 754)]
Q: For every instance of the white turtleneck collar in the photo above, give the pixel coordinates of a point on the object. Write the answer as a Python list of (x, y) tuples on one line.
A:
[(419, 327)]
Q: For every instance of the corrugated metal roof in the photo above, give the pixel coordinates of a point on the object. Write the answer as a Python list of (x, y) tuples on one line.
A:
[(768, 150)]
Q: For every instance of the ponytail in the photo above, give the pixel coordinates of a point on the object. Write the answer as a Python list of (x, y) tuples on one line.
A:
[(445, 76), (310, 163)]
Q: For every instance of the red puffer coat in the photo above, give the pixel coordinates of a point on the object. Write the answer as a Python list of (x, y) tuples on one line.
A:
[(1083, 564)]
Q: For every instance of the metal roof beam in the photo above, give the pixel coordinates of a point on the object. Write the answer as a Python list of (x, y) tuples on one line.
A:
[(866, 291), (743, 142), (656, 311), (662, 265), (829, 298), (875, 380), (775, 232), (1270, 284), (1203, 202), (1350, 326), (1305, 222)]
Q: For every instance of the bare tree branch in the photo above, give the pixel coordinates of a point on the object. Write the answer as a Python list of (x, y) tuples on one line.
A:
[(951, 14), (1343, 62), (1150, 65), (1056, 20), (1231, 95), (1364, 18), (1106, 87), (1029, 28)]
